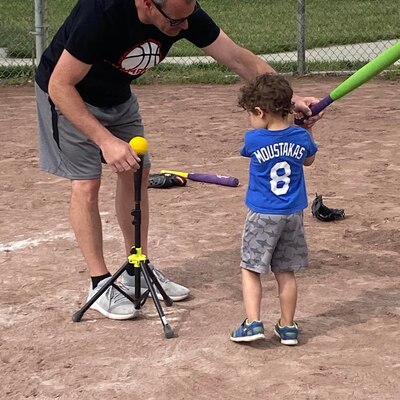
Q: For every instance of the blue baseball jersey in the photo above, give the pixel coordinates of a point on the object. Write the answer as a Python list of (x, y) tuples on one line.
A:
[(276, 176)]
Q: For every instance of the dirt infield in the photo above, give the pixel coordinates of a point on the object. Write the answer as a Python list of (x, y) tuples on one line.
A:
[(349, 299)]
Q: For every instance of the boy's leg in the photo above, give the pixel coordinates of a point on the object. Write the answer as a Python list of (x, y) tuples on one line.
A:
[(287, 287), (255, 259), (286, 328), (258, 241), (252, 328), (252, 294), (290, 256)]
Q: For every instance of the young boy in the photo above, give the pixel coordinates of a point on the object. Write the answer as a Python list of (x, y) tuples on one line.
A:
[(273, 234)]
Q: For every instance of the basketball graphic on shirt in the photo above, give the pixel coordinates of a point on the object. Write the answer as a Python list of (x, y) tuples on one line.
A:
[(141, 58)]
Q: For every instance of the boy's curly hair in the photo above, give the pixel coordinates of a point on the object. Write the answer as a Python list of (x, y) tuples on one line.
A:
[(272, 93)]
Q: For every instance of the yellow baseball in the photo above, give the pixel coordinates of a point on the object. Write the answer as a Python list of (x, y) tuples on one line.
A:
[(139, 145)]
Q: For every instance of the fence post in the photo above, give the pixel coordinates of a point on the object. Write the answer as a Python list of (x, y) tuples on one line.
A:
[(301, 37), (39, 29)]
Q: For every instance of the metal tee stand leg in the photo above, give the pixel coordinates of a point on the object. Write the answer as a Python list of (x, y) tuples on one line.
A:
[(140, 267)]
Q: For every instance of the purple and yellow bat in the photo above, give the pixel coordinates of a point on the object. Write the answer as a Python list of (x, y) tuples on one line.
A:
[(207, 178), (364, 74)]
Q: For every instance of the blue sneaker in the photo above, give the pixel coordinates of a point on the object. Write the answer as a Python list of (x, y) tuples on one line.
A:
[(248, 332), (287, 334)]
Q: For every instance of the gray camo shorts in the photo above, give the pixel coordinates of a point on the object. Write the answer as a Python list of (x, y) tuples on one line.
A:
[(66, 152), (274, 241)]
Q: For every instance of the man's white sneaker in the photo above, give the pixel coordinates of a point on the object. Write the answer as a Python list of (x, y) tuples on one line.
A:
[(112, 304), (174, 290)]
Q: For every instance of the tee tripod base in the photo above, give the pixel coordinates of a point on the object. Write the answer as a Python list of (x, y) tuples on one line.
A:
[(141, 267)]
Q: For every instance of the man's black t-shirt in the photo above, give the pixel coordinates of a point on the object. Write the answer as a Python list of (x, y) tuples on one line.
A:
[(109, 35)]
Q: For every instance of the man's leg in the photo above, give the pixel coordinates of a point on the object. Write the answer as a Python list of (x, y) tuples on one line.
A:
[(125, 203), (128, 123), (65, 152), (86, 223)]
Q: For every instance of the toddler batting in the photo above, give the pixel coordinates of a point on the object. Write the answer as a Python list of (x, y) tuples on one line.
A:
[(273, 234)]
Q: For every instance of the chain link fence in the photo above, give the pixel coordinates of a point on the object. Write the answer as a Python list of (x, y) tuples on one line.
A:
[(295, 36)]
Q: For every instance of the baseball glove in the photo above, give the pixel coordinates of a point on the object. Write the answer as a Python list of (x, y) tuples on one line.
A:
[(320, 211), (165, 181)]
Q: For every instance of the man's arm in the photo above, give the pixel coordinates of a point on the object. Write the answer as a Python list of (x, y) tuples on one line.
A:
[(247, 65), (67, 73)]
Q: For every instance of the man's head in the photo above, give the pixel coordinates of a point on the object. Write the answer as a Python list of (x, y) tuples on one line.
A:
[(169, 16)]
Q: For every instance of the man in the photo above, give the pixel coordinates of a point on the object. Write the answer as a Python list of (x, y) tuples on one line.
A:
[(86, 111)]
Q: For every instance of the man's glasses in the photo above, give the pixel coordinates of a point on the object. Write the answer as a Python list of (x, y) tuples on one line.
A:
[(172, 21)]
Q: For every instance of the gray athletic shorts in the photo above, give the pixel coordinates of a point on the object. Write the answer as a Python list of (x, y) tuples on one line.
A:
[(65, 152), (275, 241)]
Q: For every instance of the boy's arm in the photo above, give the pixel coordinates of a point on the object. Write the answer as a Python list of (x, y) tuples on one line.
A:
[(309, 160)]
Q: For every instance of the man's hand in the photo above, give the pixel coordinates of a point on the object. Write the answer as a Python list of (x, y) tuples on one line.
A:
[(119, 155), (302, 108)]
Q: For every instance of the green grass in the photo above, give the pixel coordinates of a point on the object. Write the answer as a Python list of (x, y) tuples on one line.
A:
[(16, 75), (215, 73), (195, 73), (16, 23), (263, 26), (269, 26)]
